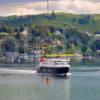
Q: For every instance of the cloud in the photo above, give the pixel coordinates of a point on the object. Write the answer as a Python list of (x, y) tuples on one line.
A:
[(76, 6), (95, 1), (36, 7), (84, 6), (23, 9)]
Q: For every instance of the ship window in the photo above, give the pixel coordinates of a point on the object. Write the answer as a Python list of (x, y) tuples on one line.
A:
[(44, 69), (56, 63), (61, 63)]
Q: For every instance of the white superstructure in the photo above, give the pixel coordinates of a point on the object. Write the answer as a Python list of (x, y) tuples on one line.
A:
[(55, 62)]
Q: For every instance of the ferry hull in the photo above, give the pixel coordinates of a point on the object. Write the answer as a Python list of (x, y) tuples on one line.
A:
[(53, 70)]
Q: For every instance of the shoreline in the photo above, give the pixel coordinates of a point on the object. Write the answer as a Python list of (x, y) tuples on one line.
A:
[(17, 65)]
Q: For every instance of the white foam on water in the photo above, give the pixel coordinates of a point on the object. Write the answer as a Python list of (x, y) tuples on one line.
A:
[(16, 71), (69, 74)]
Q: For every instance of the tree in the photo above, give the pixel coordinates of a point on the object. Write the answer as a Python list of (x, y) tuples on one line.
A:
[(53, 15), (18, 36), (8, 46), (21, 28), (21, 49), (9, 29)]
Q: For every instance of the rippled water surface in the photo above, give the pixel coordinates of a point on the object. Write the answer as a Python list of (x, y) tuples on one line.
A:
[(84, 84)]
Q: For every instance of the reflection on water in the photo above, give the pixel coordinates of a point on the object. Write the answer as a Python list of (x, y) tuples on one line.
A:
[(34, 87), (84, 84)]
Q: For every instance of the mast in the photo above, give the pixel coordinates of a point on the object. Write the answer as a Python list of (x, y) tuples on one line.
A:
[(28, 30), (47, 6)]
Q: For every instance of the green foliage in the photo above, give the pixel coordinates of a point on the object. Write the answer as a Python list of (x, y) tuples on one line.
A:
[(83, 23), (21, 49), (8, 46), (41, 30)]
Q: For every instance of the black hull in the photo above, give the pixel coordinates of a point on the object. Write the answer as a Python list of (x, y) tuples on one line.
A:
[(53, 70)]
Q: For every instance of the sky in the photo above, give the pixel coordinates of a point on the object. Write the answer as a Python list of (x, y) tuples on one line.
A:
[(28, 7)]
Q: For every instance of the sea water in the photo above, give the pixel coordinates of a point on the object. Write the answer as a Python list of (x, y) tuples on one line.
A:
[(83, 84)]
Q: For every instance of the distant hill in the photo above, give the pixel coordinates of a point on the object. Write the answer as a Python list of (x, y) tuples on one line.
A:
[(83, 23)]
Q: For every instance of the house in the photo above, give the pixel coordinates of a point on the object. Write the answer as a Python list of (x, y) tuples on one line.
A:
[(57, 32), (97, 38)]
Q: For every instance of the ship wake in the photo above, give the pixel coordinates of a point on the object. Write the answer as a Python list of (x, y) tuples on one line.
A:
[(16, 71)]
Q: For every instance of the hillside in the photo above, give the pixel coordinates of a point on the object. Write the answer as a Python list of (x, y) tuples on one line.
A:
[(83, 23), (77, 32)]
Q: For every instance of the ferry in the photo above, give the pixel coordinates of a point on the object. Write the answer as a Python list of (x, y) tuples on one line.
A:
[(54, 66)]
